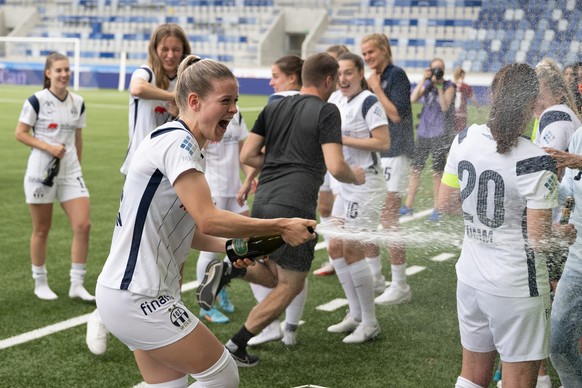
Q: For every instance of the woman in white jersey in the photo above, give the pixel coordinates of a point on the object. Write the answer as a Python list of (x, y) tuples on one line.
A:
[(364, 134), (508, 188), (151, 88), (56, 118), (223, 169), (166, 209)]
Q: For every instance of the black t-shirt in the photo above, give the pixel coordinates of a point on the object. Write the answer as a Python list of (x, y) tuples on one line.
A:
[(294, 129), (396, 86)]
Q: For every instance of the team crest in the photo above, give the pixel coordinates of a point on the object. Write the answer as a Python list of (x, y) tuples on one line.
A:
[(179, 317), (38, 193), (74, 111)]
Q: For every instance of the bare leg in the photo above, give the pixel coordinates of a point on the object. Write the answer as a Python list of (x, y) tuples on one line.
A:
[(41, 224), (478, 367), (78, 212), (413, 185)]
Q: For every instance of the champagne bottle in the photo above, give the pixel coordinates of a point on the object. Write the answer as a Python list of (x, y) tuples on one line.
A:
[(254, 247), (50, 172)]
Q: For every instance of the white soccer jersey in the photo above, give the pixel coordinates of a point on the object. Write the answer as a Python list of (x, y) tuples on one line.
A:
[(144, 115), (54, 121), (556, 126), (496, 189), (223, 162), (153, 232)]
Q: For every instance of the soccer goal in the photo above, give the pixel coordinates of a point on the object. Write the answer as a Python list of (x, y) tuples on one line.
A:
[(33, 50)]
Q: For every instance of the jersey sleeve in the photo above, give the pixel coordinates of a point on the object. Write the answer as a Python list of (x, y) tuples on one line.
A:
[(82, 121), (373, 112), (330, 123), (555, 135), (141, 73), (259, 127), (29, 115), (537, 181), (181, 154)]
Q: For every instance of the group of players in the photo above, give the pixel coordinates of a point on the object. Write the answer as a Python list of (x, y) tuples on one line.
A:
[(332, 119)]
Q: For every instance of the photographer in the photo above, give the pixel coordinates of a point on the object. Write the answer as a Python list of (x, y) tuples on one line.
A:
[(435, 130)]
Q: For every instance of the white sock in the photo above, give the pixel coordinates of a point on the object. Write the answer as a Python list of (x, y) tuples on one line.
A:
[(223, 374), (375, 264), (464, 383), (182, 382), (41, 287), (294, 311), (77, 275), (204, 258), (260, 292), (345, 278), (364, 286), (398, 274)]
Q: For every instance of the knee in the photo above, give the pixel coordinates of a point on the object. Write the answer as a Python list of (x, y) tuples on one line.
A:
[(82, 228)]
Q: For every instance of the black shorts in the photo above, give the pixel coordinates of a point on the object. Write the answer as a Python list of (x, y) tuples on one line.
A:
[(437, 146), (297, 258)]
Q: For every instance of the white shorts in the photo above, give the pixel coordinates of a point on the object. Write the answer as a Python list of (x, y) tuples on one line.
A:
[(329, 184), (230, 204), (143, 322), (396, 171), (64, 189), (518, 328), (360, 210)]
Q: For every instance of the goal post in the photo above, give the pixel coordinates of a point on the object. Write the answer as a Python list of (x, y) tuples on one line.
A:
[(15, 48)]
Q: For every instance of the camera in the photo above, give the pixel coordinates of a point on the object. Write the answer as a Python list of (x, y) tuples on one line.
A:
[(438, 72)]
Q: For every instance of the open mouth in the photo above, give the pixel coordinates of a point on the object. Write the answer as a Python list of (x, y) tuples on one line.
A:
[(223, 124)]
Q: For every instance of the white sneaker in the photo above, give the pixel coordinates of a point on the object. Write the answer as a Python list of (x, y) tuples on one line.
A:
[(363, 333), (43, 291), (379, 284), (78, 291), (348, 325), (289, 337), (395, 295), (270, 333), (97, 334)]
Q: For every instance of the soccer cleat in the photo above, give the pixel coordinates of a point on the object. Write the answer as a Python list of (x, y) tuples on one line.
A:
[(78, 291), (379, 284), (363, 333), (213, 315), (435, 216), (224, 301), (394, 295), (243, 359), (214, 279), (289, 337), (406, 211), (97, 334), (348, 325), (270, 333), (326, 269)]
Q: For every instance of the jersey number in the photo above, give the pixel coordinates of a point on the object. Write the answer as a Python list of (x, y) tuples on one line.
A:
[(482, 185)]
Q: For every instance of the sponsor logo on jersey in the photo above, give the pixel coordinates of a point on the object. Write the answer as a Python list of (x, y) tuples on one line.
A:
[(160, 110), (187, 145), (179, 317), (149, 306), (53, 126)]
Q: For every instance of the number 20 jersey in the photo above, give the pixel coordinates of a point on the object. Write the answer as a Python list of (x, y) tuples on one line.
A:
[(496, 190)]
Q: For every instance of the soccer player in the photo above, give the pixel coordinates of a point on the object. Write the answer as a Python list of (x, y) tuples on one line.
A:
[(297, 150), (151, 103), (364, 134), (56, 118), (391, 86), (166, 208), (508, 188)]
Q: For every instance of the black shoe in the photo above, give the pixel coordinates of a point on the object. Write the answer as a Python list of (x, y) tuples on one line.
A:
[(243, 359), (215, 278)]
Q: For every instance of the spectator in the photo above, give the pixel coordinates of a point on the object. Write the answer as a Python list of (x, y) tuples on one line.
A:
[(391, 86), (573, 81), (56, 118), (435, 130), (166, 181), (463, 95)]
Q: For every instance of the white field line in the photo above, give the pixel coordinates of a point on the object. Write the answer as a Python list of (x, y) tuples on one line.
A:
[(82, 319)]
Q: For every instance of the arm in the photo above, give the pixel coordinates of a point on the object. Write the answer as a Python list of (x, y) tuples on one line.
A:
[(252, 153), (389, 107), (139, 87), (204, 242), (380, 140), (565, 159), (448, 199), (337, 166), (192, 189), (546, 237), (79, 143), (250, 183), (446, 97), (23, 135), (419, 89)]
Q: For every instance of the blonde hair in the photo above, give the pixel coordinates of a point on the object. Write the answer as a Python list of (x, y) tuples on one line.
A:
[(337, 50), (154, 61), (197, 75), (381, 41), (458, 73), (553, 79)]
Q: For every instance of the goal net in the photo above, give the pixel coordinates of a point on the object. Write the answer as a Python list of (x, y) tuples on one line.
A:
[(21, 55)]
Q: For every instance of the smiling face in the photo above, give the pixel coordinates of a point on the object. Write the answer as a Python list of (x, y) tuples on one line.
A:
[(350, 78), (217, 108), (59, 74), (170, 51), (376, 58), (281, 82)]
